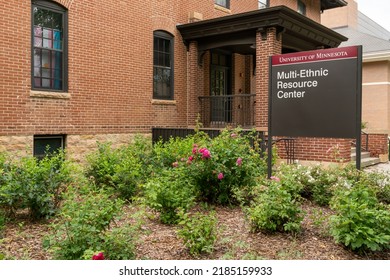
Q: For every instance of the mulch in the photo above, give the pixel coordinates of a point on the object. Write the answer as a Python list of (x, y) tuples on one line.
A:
[(22, 239)]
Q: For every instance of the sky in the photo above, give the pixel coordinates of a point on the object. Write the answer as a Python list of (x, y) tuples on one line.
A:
[(377, 10)]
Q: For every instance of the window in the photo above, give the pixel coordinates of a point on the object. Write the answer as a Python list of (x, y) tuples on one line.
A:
[(263, 4), (47, 144), (301, 7), (162, 65), (223, 3), (49, 39)]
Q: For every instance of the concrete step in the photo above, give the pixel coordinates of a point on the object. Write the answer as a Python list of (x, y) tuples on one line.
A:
[(363, 155), (366, 159), (369, 161)]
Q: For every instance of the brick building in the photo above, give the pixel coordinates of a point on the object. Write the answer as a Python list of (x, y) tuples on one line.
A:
[(74, 72)]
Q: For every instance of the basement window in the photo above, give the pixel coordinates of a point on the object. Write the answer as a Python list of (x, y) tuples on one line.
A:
[(44, 145)]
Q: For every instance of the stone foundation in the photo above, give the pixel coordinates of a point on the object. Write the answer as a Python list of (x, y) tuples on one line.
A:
[(17, 145), (77, 146)]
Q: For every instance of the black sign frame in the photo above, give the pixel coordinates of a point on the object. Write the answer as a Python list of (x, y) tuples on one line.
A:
[(290, 69)]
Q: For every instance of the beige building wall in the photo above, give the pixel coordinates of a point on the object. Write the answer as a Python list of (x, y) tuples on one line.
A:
[(376, 96), (345, 16)]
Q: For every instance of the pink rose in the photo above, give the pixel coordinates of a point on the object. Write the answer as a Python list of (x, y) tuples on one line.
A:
[(98, 256), (194, 151), (206, 153), (175, 164), (274, 178), (239, 161), (191, 158), (220, 176), (233, 135)]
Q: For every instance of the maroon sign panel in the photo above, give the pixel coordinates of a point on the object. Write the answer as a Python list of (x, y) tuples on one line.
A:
[(316, 93)]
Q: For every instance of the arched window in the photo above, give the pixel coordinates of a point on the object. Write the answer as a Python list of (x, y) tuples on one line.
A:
[(49, 45), (162, 65)]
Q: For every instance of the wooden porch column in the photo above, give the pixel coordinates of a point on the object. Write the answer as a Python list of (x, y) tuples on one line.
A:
[(267, 44)]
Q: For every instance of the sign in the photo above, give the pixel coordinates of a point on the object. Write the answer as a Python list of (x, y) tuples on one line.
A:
[(315, 93)]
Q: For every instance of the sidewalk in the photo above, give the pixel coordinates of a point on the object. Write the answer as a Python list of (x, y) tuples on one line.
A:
[(381, 167)]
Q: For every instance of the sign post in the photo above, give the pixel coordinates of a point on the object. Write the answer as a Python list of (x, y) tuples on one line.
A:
[(316, 94)]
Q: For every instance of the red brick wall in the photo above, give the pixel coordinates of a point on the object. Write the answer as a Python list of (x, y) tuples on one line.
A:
[(266, 45), (312, 7), (110, 67), (319, 149), (377, 144)]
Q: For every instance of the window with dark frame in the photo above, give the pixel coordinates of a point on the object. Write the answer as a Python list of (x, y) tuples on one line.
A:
[(162, 65), (223, 3), (49, 45), (301, 7), (47, 144)]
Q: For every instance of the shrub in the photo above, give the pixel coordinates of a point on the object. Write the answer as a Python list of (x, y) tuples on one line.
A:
[(102, 164), (380, 183), (227, 163), (127, 176), (175, 150), (169, 193), (318, 183), (275, 209), (199, 232), (120, 170), (119, 243), (82, 224), (36, 184), (361, 222)]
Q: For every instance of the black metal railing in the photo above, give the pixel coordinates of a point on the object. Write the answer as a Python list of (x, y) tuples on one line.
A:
[(228, 110), (365, 136), (289, 146)]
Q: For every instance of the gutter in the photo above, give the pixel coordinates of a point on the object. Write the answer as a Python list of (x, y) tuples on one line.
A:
[(376, 56)]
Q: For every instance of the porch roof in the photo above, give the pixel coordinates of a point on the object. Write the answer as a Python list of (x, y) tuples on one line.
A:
[(237, 33)]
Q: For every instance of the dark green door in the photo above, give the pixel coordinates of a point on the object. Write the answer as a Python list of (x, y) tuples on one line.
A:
[(220, 88)]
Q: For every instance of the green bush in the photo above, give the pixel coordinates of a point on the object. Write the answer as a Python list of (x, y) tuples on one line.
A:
[(121, 170), (275, 209), (36, 184), (380, 183), (175, 150), (119, 243), (82, 224), (169, 193), (361, 222), (318, 183), (228, 162), (102, 164), (199, 232), (127, 176)]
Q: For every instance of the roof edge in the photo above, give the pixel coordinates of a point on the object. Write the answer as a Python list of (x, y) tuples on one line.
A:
[(331, 4), (376, 56), (277, 16)]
